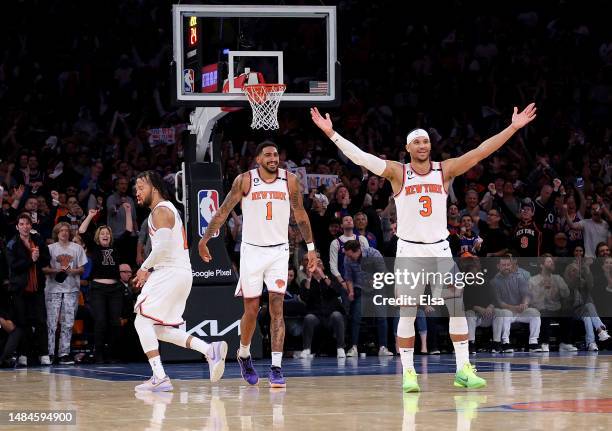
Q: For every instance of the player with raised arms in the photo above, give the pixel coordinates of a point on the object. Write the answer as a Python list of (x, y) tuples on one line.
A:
[(420, 191)]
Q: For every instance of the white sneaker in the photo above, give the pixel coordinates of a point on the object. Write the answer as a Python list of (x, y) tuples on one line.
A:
[(563, 347), (352, 352), (155, 385), (216, 360), (305, 354), (22, 361), (593, 347), (340, 353), (603, 335), (383, 351), (545, 347), (45, 360)]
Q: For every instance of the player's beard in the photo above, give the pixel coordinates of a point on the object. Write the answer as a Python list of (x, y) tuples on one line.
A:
[(270, 170), (147, 200)]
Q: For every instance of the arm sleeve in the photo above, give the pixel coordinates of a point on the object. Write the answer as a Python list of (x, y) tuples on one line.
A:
[(359, 157), (163, 246)]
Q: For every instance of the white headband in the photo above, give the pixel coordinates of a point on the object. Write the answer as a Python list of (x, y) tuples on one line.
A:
[(417, 133)]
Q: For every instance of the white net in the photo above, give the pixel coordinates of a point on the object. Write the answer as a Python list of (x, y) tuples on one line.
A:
[(264, 100)]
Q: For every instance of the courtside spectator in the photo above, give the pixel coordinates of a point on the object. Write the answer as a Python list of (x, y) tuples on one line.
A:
[(27, 255), (66, 264)]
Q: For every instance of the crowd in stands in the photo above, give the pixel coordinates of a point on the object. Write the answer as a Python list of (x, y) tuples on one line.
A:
[(75, 108)]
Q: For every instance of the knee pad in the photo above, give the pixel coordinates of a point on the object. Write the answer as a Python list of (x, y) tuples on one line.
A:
[(405, 327), (457, 325), (171, 335), (146, 333)]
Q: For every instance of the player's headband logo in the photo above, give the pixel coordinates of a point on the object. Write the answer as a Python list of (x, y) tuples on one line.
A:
[(416, 133)]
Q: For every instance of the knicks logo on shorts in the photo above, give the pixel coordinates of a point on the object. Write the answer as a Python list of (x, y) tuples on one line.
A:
[(280, 283), (208, 205)]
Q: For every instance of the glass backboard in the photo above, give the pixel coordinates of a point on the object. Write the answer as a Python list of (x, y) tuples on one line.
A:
[(215, 45)]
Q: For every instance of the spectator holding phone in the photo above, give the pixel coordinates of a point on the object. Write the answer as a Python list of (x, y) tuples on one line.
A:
[(27, 255), (66, 264)]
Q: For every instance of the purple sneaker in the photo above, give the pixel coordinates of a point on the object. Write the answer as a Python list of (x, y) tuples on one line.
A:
[(276, 378), (248, 372), (216, 360)]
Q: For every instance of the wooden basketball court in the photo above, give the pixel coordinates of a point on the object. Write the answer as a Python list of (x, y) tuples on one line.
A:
[(525, 392)]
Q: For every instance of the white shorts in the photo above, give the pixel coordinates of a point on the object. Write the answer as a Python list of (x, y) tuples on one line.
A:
[(262, 264), (164, 295), (425, 259), (409, 249)]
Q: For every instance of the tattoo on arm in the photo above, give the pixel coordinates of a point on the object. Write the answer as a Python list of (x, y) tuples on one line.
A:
[(297, 204), (233, 197)]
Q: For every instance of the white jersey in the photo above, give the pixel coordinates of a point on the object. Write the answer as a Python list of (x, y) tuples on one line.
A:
[(179, 254), (265, 210), (421, 206)]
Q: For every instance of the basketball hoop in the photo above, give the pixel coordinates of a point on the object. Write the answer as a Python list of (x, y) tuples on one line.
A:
[(264, 100)]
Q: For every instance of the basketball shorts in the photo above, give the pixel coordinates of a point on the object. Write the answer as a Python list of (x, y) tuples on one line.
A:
[(419, 265), (164, 295), (259, 265)]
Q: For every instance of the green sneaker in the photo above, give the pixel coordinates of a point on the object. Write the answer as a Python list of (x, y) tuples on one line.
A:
[(467, 378), (410, 383)]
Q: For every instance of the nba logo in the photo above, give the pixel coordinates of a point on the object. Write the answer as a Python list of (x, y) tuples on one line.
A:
[(188, 81), (208, 204)]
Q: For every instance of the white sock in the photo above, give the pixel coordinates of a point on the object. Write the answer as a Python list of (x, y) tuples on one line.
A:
[(462, 353), (407, 356), (157, 367), (200, 346), (277, 357), (245, 351)]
